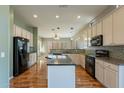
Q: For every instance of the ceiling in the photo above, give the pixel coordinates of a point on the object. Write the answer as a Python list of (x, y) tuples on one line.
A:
[(47, 22)]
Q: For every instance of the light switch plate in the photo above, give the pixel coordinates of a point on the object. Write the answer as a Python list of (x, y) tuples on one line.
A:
[(2, 54)]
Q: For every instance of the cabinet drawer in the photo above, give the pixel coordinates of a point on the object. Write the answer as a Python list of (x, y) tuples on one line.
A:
[(99, 62), (114, 67), (111, 66)]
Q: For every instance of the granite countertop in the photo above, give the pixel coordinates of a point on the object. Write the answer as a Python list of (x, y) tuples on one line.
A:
[(61, 60), (111, 60)]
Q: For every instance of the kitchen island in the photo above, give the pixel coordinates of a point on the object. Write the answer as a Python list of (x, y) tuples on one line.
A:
[(61, 72)]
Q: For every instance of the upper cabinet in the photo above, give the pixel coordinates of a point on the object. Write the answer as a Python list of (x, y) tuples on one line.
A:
[(99, 28), (89, 35), (94, 30), (18, 31), (28, 35), (24, 33), (85, 38), (107, 30), (118, 27), (111, 27)]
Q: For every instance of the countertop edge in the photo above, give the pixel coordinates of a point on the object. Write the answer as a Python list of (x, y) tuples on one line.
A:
[(111, 60), (61, 64)]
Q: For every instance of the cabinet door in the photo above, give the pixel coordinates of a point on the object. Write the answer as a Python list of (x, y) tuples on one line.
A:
[(75, 58), (85, 38), (99, 72), (113, 79), (24, 33), (82, 60), (18, 31), (99, 28), (94, 30), (110, 78), (107, 77), (89, 33), (107, 30), (118, 27), (28, 35), (31, 39)]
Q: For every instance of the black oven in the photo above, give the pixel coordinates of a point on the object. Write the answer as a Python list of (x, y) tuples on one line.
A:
[(90, 61), (97, 40)]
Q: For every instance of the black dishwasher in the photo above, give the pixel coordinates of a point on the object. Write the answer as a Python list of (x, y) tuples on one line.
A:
[(90, 65)]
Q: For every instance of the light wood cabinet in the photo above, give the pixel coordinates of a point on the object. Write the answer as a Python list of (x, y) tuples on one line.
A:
[(99, 70), (114, 79), (107, 73), (82, 60), (99, 28), (118, 27), (85, 40), (32, 59), (18, 31), (107, 30), (31, 39), (110, 78), (94, 30), (75, 58), (111, 75), (24, 33), (89, 35), (106, 77), (28, 35)]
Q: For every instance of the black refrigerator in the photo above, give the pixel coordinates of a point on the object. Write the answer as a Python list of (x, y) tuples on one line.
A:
[(20, 55)]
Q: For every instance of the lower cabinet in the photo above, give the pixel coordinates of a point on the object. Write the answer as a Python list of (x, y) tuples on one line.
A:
[(106, 77), (82, 60), (99, 72), (107, 74), (110, 78), (78, 59), (113, 79), (32, 59), (75, 58)]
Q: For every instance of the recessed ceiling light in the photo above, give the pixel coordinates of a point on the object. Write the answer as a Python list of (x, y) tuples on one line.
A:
[(58, 27), (53, 29), (71, 28), (57, 16), (35, 16), (78, 17)]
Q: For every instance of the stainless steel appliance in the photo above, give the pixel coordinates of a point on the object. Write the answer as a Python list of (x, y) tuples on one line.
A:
[(97, 40), (90, 61)]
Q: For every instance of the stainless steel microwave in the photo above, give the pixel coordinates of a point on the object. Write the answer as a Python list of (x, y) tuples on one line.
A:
[(97, 40)]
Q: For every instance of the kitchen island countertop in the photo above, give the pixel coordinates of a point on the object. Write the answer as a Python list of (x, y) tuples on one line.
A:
[(59, 60)]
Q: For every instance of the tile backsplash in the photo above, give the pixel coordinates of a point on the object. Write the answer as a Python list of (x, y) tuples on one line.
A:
[(114, 51), (68, 51)]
